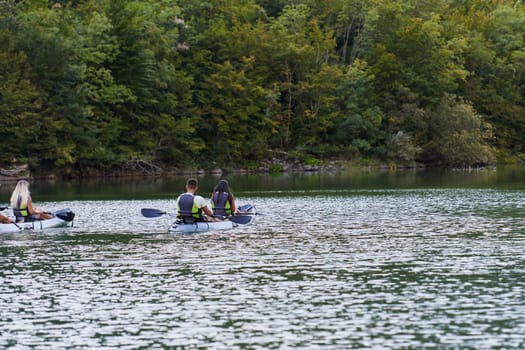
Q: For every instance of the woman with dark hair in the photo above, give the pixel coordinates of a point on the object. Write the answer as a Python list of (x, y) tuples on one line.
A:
[(223, 200)]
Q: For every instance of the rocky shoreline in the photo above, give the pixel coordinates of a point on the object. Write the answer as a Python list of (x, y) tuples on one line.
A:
[(144, 169), (14, 173)]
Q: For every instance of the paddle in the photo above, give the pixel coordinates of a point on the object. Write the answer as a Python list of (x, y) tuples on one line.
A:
[(242, 219), (3, 207), (152, 213)]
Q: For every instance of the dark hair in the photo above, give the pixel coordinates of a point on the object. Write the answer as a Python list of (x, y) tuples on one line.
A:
[(222, 186), (191, 183)]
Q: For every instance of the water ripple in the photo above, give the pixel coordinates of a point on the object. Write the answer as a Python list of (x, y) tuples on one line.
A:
[(377, 269)]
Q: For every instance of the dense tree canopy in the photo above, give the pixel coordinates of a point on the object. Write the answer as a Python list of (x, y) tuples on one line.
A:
[(101, 83)]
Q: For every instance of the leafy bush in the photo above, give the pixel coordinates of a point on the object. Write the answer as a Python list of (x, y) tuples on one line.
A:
[(311, 161), (275, 168), (459, 136), (401, 147)]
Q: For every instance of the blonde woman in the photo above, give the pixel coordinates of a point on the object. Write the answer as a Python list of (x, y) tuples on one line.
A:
[(22, 204)]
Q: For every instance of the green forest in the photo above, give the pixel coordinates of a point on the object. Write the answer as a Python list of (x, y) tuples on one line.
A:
[(92, 84)]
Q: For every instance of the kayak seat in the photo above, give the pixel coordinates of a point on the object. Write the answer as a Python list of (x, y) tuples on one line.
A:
[(30, 218)]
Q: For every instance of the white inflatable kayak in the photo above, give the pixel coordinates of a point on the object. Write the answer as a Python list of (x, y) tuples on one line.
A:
[(61, 218), (179, 227), (245, 217)]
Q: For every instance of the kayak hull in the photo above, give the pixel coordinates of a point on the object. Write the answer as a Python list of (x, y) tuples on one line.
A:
[(61, 218), (178, 227)]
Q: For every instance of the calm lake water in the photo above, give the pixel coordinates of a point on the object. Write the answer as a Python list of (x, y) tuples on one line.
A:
[(335, 261)]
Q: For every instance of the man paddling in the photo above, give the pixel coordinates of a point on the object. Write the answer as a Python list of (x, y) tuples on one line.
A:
[(190, 206)]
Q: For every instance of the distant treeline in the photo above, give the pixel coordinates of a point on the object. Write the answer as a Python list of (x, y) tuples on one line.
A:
[(101, 83)]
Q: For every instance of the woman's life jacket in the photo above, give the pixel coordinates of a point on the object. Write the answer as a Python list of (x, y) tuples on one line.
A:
[(220, 203), (20, 212)]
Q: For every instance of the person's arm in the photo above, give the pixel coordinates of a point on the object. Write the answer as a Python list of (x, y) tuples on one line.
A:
[(232, 204), (34, 211), (207, 211), (30, 209), (201, 203)]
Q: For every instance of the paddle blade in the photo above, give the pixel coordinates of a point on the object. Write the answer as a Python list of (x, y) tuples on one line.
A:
[(246, 215), (242, 219), (152, 213), (247, 208), (2, 207)]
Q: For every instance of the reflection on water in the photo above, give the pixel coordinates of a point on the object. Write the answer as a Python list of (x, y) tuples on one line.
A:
[(512, 178), (331, 268)]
